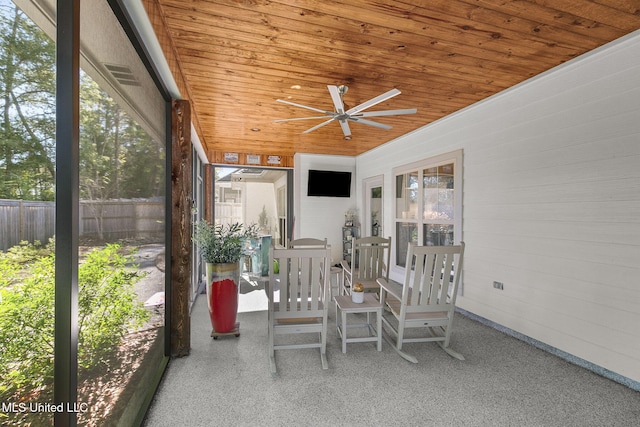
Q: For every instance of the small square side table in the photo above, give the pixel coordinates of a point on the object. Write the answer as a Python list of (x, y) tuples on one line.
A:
[(371, 304)]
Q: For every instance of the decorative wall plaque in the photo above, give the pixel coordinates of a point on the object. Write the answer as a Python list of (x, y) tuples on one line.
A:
[(253, 159), (273, 160), (231, 157)]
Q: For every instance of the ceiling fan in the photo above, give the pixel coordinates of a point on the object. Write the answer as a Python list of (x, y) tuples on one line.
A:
[(355, 114)]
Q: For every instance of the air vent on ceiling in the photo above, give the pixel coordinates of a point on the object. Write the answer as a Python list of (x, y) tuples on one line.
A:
[(254, 172), (122, 74)]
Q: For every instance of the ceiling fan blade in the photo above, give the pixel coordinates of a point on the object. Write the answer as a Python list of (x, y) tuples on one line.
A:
[(386, 113), (337, 99), (344, 124), (373, 101), (370, 123), (303, 106), (320, 125), (301, 118)]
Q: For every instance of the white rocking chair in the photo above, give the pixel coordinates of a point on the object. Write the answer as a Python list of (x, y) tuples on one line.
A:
[(371, 256), (298, 298), (427, 297)]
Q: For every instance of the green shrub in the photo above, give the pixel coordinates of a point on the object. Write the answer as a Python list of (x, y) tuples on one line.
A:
[(108, 306), (25, 252), (8, 271), (107, 309), (26, 330)]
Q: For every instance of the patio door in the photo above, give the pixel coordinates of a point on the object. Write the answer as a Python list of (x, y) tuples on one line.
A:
[(254, 196), (372, 191), (197, 213)]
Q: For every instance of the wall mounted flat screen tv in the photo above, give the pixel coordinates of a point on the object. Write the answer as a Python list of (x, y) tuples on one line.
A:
[(329, 183)]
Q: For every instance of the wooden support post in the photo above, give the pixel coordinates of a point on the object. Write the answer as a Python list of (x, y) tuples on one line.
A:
[(208, 193), (181, 195)]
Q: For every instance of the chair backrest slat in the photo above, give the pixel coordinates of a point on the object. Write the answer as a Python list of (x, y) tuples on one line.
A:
[(294, 283), (284, 285), (314, 291), (307, 281)]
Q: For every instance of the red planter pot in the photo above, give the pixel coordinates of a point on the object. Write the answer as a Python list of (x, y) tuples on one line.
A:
[(222, 295)]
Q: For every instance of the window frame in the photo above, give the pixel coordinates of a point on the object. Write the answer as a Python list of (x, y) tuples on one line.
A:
[(419, 221)]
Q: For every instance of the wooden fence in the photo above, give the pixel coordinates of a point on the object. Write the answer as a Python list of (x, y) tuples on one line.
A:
[(109, 220), (25, 220)]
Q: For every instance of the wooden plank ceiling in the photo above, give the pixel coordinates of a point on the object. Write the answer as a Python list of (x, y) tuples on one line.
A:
[(238, 57)]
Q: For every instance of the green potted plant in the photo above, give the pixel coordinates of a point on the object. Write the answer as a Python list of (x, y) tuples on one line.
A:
[(222, 247)]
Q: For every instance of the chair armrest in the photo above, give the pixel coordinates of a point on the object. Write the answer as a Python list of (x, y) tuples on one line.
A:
[(346, 268), (392, 288), (347, 278), (385, 271)]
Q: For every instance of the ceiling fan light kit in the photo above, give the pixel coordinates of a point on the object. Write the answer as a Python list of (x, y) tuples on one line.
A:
[(355, 114)]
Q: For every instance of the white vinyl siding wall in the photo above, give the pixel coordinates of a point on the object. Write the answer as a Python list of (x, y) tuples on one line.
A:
[(551, 204)]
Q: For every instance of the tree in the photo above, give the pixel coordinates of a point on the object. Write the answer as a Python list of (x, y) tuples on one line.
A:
[(118, 159), (27, 108), (143, 176)]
